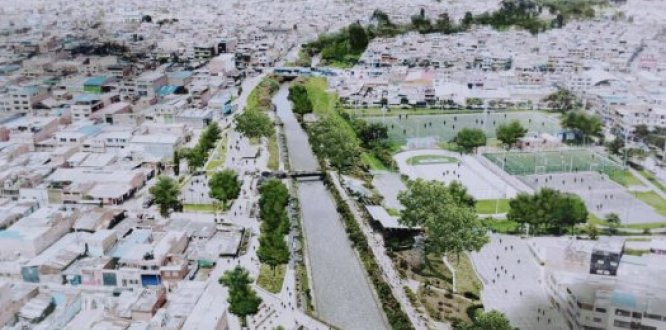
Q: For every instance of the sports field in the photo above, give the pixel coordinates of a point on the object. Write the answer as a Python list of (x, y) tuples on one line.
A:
[(544, 162), (446, 126)]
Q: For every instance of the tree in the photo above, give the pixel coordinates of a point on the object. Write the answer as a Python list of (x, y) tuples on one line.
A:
[(358, 38), (449, 227), (615, 146), (592, 231), (298, 95), (468, 139), (196, 157), (254, 124), (563, 100), (641, 132), (273, 249), (569, 211), (243, 300), (370, 134), (224, 186), (510, 133), (548, 209), (336, 142), (165, 193), (147, 19), (584, 126), (459, 194), (493, 320), (613, 220)]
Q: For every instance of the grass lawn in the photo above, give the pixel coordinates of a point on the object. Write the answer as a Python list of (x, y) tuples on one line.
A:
[(466, 279), (625, 178), (431, 159), (635, 252), (206, 208), (372, 162), (392, 212), (648, 175), (221, 152), (488, 206), (593, 219), (273, 153), (653, 199), (502, 226), (269, 281)]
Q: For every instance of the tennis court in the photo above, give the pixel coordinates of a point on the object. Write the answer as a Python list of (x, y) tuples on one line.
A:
[(445, 126), (544, 162)]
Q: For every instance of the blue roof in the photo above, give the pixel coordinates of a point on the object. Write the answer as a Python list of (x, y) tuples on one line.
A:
[(137, 237), (89, 130), (166, 90), (30, 90), (623, 299), (95, 81), (86, 98), (10, 234)]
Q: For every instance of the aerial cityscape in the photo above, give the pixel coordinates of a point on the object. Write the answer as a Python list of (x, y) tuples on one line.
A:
[(333, 164)]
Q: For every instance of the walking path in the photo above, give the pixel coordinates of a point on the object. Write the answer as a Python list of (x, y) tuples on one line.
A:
[(376, 242)]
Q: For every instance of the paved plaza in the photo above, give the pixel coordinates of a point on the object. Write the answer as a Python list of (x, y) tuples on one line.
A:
[(389, 186), (481, 183), (601, 195), (512, 279)]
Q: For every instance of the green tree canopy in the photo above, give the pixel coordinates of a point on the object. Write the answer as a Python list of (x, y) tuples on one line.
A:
[(358, 38), (243, 300), (449, 226), (563, 100), (493, 320), (254, 124), (298, 95), (468, 139), (165, 193), (273, 249), (548, 210), (224, 186), (336, 142), (585, 126), (613, 220), (510, 133)]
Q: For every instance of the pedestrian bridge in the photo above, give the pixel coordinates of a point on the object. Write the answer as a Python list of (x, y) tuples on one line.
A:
[(299, 71)]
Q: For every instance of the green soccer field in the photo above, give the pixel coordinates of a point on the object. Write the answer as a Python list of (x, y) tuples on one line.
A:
[(446, 126), (526, 163)]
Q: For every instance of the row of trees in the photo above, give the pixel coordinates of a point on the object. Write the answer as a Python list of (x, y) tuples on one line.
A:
[(346, 45), (254, 122), (332, 139), (198, 155), (273, 249), (548, 211), (468, 139)]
